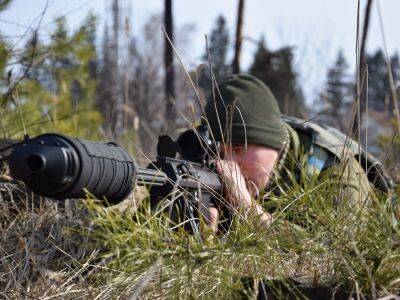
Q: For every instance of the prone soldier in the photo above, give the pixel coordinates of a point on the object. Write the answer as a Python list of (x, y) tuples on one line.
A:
[(258, 146)]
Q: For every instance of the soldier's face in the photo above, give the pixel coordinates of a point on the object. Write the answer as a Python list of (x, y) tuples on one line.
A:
[(256, 164)]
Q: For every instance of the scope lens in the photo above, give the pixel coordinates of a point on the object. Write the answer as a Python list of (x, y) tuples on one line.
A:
[(35, 163), (190, 145)]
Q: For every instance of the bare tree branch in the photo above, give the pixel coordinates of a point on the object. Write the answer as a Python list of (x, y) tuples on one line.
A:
[(8, 94)]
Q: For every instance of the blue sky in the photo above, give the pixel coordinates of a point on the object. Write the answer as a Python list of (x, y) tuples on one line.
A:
[(316, 28)]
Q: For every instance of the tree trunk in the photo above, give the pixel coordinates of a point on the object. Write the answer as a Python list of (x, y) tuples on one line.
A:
[(238, 44), (364, 36), (118, 100), (362, 78), (169, 68)]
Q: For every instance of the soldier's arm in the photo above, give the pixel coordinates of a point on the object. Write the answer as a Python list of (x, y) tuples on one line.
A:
[(350, 180)]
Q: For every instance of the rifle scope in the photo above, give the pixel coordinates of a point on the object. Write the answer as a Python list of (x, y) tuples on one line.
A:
[(62, 167)]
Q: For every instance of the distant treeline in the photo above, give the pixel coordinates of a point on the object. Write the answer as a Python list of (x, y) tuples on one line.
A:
[(112, 85)]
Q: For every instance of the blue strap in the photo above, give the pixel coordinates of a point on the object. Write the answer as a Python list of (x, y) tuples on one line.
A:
[(316, 161)]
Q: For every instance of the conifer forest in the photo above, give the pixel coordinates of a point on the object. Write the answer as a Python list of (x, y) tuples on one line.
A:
[(139, 74)]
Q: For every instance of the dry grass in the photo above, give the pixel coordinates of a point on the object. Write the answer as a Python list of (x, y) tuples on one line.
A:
[(39, 251), (53, 250)]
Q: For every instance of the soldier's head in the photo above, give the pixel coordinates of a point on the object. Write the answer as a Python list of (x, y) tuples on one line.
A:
[(244, 116)]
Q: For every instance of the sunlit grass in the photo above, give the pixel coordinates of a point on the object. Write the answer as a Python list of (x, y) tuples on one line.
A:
[(87, 250), (312, 241)]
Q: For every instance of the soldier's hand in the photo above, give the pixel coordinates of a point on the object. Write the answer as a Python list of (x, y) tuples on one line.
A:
[(234, 184), (237, 194)]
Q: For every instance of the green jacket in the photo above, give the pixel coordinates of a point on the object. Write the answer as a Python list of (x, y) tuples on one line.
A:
[(315, 151)]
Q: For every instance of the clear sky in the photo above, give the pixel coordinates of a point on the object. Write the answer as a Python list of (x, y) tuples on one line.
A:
[(316, 28)]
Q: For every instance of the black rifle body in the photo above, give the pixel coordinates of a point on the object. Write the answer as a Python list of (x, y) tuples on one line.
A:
[(61, 167)]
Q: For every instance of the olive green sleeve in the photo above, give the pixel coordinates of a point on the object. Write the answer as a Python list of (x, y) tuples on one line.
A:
[(350, 180)]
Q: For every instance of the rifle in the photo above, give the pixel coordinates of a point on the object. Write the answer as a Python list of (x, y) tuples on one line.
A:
[(61, 167)]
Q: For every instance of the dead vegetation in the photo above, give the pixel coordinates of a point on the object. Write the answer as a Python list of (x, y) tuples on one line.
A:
[(79, 249)]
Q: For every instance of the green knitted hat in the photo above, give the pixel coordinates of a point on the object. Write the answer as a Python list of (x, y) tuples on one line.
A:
[(245, 105)]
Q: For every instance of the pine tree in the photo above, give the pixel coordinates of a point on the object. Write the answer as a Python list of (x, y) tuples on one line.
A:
[(338, 93), (110, 98), (379, 90), (395, 67), (275, 69), (58, 93), (87, 45), (5, 77), (4, 4), (218, 49), (33, 49), (84, 80), (104, 94), (216, 56), (4, 52), (5, 56), (378, 83), (60, 47)]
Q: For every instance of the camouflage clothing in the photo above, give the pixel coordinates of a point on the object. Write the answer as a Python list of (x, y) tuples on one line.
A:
[(244, 111), (327, 155)]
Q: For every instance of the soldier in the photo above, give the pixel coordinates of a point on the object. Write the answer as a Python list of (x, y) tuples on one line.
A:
[(258, 144)]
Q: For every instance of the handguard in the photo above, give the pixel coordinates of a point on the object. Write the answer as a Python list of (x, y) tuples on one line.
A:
[(61, 167)]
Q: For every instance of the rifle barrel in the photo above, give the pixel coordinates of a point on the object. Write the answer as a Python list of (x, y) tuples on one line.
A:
[(149, 177)]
